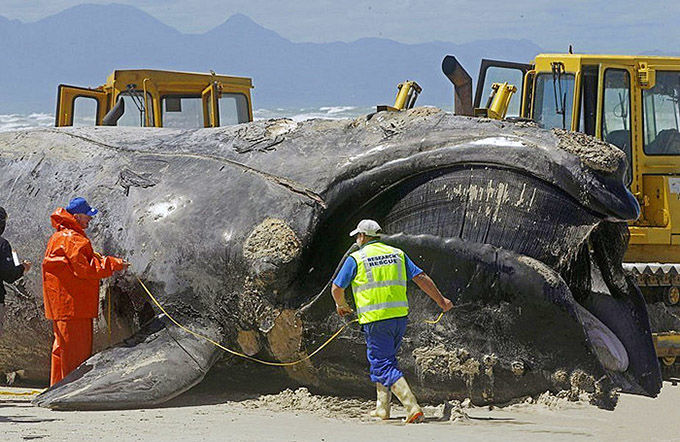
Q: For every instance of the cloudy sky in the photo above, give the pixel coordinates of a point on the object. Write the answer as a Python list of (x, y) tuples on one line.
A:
[(620, 26)]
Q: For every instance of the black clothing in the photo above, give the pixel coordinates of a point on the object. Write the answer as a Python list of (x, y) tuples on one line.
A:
[(8, 271), (3, 220)]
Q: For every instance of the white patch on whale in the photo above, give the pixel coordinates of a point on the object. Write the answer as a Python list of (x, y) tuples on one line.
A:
[(163, 209), (498, 141), (227, 235), (369, 152)]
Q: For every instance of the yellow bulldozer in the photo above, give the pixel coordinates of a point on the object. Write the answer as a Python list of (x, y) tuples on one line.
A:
[(154, 98), (632, 102)]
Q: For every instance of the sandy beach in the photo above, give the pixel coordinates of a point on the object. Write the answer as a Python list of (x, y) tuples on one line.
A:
[(297, 415)]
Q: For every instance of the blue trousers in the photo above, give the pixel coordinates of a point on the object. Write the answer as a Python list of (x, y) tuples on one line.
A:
[(383, 339)]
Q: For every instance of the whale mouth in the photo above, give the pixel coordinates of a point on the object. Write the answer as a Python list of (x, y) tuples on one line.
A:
[(490, 234), (608, 348)]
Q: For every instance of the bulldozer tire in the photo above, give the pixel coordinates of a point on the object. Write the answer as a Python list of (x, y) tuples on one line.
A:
[(672, 295)]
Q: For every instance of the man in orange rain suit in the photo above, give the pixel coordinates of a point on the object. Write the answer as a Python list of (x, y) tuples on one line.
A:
[(71, 273)]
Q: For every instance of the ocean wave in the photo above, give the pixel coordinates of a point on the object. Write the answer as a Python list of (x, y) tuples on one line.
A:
[(17, 121), (337, 109), (308, 113), (28, 121)]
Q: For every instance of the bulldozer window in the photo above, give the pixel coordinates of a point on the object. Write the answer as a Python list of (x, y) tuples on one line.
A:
[(589, 89), (553, 100), (515, 77), (85, 110), (182, 112), (661, 115), (233, 109), (616, 113), (135, 108)]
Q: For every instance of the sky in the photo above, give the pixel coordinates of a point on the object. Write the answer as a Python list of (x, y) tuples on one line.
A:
[(615, 26)]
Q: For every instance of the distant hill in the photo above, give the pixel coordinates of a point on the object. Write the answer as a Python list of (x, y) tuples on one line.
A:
[(83, 44)]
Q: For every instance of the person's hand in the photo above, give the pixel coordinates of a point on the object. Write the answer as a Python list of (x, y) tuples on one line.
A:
[(125, 266), (446, 304), (343, 309), (27, 266)]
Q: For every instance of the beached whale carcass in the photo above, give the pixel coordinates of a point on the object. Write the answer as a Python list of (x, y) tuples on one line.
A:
[(237, 230)]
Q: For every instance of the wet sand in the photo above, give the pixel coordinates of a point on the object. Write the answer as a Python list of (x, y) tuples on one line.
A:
[(300, 416)]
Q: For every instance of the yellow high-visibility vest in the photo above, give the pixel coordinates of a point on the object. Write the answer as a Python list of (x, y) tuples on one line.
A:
[(379, 286)]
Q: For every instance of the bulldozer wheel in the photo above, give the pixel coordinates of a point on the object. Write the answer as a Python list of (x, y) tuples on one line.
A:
[(672, 295)]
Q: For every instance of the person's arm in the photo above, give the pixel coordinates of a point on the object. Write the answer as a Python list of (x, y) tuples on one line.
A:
[(342, 280), (88, 265), (427, 285), (8, 271), (341, 305)]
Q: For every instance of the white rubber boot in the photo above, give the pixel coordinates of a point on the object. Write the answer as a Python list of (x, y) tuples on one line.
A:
[(383, 402), (402, 391)]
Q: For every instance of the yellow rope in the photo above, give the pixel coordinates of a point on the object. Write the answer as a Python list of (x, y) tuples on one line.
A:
[(427, 321), (14, 393), (236, 353), (250, 358), (108, 314)]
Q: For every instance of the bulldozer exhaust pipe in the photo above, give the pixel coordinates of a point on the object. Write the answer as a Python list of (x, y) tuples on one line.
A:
[(462, 85)]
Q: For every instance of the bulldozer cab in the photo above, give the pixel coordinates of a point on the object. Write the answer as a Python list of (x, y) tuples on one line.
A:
[(152, 98), (631, 102)]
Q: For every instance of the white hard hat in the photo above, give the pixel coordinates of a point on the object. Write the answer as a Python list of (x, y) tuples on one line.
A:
[(367, 226)]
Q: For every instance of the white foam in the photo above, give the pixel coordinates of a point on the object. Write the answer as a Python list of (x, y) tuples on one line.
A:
[(10, 122), (308, 113), (337, 109), (18, 122)]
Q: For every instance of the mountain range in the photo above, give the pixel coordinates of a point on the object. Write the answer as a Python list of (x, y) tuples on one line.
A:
[(82, 45)]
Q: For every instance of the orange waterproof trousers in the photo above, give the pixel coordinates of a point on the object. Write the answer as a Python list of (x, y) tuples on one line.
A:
[(72, 345)]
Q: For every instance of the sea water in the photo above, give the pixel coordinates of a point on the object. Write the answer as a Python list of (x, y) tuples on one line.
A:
[(20, 121), (17, 121)]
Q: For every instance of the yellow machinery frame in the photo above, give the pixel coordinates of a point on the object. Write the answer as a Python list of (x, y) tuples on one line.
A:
[(154, 85), (655, 236)]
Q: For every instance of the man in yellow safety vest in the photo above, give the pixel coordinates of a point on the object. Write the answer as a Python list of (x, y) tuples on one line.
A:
[(378, 274)]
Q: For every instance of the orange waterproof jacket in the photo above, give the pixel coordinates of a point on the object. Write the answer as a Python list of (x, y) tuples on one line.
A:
[(71, 271)]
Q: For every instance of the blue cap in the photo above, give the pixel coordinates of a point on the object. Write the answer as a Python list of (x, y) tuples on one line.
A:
[(79, 205)]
